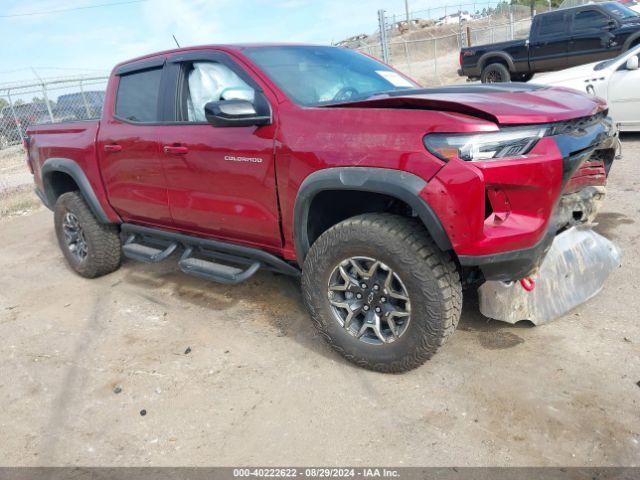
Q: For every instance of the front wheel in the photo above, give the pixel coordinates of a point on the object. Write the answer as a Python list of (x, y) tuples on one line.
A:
[(495, 73), (380, 291)]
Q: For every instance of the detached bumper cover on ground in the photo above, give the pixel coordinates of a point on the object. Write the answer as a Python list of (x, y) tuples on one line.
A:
[(574, 270)]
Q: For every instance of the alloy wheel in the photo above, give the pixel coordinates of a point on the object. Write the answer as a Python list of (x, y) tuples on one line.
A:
[(74, 237), (369, 300)]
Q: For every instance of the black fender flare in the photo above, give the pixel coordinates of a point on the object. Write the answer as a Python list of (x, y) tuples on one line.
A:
[(71, 168), (629, 41), (395, 183), (484, 60)]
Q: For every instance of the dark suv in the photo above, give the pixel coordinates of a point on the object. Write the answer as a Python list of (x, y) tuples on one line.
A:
[(79, 106)]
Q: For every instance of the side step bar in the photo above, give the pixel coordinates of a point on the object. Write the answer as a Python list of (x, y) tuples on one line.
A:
[(146, 253), (223, 262), (214, 271)]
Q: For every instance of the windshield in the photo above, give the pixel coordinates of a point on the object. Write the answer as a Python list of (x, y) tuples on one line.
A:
[(313, 76), (619, 11)]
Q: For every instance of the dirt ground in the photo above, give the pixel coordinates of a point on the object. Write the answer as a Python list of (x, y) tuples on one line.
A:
[(16, 183), (237, 376)]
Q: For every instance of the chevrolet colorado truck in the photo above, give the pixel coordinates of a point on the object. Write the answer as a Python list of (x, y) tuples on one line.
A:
[(557, 40), (324, 163)]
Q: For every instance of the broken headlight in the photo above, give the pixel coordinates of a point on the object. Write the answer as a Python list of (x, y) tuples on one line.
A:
[(506, 143)]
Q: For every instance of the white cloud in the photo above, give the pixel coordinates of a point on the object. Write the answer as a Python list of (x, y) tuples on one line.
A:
[(191, 21)]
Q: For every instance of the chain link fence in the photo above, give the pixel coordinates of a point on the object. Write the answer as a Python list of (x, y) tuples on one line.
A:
[(426, 44), (48, 101)]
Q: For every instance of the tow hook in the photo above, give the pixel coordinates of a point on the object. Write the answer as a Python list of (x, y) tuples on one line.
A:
[(528, 283)]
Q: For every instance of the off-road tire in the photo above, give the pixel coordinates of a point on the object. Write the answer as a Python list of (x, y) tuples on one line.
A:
[(495, 73), (430, 276), (104, 249)]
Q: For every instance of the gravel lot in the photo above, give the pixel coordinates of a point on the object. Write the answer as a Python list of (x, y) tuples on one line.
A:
[(236, 375)]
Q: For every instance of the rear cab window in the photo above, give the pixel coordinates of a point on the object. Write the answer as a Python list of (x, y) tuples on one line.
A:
[(137, 96)]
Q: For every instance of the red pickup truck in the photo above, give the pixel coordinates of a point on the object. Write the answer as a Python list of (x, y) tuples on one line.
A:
[(325, 163)]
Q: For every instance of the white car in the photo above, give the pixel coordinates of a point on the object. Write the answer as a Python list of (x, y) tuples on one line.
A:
[(616, 80), (632, 4)]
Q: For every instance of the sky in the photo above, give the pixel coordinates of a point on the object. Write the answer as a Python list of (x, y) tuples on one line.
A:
[(92, 40)]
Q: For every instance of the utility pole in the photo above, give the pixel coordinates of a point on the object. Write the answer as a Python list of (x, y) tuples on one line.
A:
[(406, 11), (384, 45)]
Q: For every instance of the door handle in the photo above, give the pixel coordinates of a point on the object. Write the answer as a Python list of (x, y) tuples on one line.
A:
[(175, 150), (111, 148)]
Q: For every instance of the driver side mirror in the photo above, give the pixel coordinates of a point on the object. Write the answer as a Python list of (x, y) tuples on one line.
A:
[(632, 63), (238, 113), (611, 24)]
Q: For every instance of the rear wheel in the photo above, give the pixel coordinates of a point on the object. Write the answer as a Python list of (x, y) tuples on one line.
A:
[(495, 73), (91, 248), (381, 293)]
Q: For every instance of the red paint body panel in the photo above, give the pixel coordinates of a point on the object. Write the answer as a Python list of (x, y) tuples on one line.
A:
[(198, 189), (225, 185), (74, 140), (526, 189)]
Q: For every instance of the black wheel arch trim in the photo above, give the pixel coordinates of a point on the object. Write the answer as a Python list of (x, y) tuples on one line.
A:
[(71, 168), (629, 41), (485, 60), (398, 184)]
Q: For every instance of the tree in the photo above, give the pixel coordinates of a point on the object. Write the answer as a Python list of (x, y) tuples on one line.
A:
[(3, 103), (534, 4)]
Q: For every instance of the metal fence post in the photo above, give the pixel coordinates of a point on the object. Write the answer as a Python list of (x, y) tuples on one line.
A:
[(84, 100), (15, 117), (46, 101), (384, 43), (406, 56), (511, 25), (435, 59)]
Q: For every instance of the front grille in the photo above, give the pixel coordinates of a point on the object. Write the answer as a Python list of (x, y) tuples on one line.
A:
[(577, 125)]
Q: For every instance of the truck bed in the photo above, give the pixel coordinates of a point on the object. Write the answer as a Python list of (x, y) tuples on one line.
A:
[(74, 140)]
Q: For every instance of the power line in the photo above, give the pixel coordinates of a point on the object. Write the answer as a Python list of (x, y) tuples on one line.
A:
[(47, 12), (73, 69)]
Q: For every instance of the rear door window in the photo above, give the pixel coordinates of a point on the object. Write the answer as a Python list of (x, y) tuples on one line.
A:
[(137, 97), (551, 24)]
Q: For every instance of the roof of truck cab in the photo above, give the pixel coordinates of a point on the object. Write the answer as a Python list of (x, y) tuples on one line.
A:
[(227, 46)]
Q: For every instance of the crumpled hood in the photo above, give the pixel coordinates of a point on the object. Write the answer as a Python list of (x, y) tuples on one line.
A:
[(506, 104)]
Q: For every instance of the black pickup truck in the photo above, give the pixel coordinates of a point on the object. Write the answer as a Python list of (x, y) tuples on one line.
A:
[(558, 39)]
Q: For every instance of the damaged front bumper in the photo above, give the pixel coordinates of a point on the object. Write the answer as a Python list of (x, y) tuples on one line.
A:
[(574, 270), (567, 268)]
